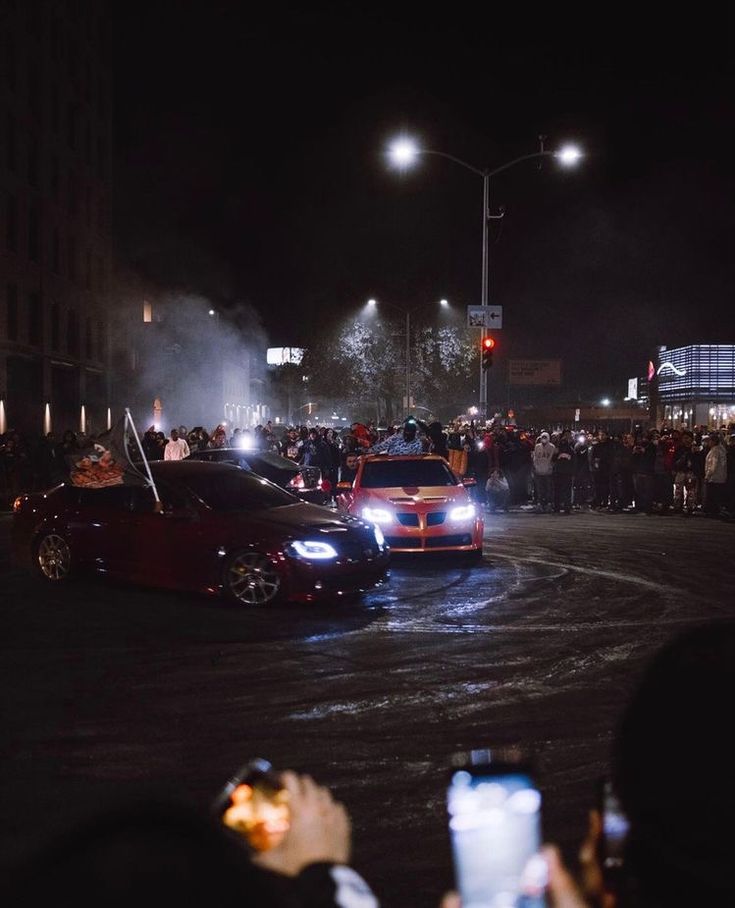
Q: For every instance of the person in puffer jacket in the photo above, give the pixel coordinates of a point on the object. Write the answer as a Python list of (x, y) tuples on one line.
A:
[(543, 470)]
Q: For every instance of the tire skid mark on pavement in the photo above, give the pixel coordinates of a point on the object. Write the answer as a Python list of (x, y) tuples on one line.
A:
[(595, 572)]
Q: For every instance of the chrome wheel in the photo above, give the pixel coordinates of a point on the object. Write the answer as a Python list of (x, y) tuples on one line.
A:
[(54, 557), (252, 579)]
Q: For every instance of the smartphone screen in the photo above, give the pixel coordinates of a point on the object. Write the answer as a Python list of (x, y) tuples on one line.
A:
[(614, 831), (255, 805), (495, 827)]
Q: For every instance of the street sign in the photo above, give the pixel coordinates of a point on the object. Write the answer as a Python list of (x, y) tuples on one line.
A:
[(485, 317), (534, 372)]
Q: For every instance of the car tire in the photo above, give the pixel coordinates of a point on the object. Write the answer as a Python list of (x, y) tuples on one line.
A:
[(251, 579), (52, 557)]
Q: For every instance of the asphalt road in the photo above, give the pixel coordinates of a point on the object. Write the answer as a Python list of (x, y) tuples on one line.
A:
[(110, 691)]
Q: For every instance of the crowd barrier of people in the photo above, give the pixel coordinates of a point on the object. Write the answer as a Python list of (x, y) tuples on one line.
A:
[(653, 471), (671, 768)]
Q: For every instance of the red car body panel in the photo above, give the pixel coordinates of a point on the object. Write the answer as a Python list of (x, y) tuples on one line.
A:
[(186, 549), (420, 515)]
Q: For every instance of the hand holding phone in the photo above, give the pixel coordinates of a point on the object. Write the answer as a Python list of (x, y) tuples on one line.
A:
[(255, 804), (495, 827)]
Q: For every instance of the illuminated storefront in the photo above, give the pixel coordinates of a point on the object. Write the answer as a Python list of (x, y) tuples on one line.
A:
[(696, 384)]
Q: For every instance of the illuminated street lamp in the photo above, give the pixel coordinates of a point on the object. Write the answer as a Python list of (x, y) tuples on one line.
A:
[(404, 152)]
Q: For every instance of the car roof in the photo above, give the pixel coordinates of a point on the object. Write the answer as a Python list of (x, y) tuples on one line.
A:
[(182, 469)]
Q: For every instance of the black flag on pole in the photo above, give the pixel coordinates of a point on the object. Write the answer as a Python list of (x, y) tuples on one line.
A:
[(106, 461)]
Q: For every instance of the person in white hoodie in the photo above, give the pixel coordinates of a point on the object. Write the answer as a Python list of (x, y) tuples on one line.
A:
[(543, 468), (715, 475)]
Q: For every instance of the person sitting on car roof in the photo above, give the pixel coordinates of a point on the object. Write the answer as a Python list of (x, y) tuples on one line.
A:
[(405, 443)]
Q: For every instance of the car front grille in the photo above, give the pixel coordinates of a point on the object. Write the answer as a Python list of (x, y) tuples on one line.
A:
[(400, 542), (440, 542)]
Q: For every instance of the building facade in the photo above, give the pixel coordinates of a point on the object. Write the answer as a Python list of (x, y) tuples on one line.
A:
[(696, 384), (55, 197)]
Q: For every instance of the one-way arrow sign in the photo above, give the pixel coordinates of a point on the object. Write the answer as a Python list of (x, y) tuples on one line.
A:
[(485, 317)]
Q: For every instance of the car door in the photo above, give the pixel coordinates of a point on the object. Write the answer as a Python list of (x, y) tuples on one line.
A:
[(98, 528), (164, 544)]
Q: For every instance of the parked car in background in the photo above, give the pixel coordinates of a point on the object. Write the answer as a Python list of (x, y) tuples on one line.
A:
[(306, 482)]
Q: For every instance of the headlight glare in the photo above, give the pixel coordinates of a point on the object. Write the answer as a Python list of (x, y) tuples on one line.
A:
[(465, 512), (314, 551), (377, 515)]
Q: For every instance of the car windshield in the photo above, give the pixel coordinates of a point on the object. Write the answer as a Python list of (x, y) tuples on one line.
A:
[(391, 474), (238, 491)]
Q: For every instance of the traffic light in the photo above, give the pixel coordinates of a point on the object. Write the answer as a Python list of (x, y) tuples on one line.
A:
[(488, 344)]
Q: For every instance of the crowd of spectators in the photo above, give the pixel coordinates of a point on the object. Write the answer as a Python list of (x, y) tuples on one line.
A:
[(667, 471)]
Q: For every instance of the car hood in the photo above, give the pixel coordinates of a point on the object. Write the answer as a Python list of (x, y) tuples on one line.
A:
[(294, 518), (423, 497)]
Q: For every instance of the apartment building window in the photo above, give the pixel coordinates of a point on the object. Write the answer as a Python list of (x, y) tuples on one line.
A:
[(55, 178), (71, 125), (101, 157), (34, 90), (55, 316), (10, 68), (72, 259), (33, 161), (72, 333), (88, 345), (11, 223), (56, 40), (12, 312), (56, 251), (101, 340), (34, 226), (72, 199), (11, 143), (55, 109), (35, 319)]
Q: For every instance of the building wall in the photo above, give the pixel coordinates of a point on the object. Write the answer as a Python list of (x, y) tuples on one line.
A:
[(55, 194), (696, 384)]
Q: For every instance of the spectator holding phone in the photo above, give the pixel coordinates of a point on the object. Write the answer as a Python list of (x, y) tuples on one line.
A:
[(164, 854), (672, 770)]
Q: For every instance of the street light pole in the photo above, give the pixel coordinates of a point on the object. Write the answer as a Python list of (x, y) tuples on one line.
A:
[(404, 152), (408, 362)]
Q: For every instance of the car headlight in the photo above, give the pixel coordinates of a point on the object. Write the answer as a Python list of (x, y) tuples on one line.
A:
[(314, 551), (465, 512), (379, 537), (377, 515)]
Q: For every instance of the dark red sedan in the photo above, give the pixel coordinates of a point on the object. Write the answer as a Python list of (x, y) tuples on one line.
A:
[(221, 530)]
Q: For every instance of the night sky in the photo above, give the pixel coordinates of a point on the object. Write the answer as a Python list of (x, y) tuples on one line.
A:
[(250, 167)]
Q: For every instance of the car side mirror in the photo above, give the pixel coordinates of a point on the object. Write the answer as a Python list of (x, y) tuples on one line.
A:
[(344, 486)]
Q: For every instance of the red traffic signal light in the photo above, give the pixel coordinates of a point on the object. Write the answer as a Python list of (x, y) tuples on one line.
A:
[(487, 352)]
